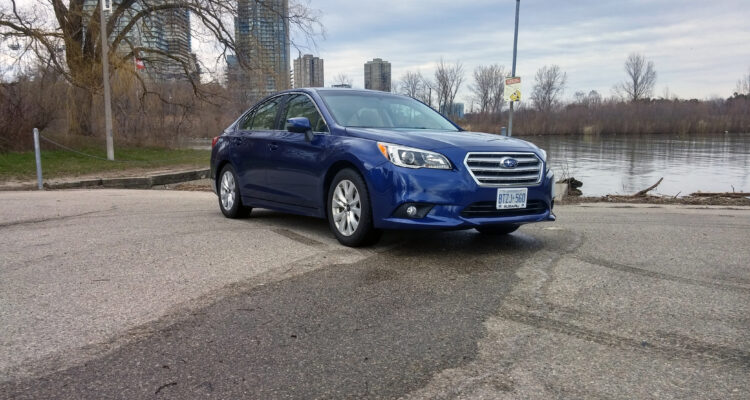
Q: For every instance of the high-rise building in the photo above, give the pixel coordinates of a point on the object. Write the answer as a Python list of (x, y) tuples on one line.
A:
[(378, 75), (164, 37), (178, 43), (262, 44), (308, 71)]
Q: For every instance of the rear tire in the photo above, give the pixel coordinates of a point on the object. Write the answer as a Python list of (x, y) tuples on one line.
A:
[(349, 211), (230, 200), (498, 229)]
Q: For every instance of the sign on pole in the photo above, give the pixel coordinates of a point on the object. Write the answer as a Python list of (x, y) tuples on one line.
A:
[(107, 5), (513, 89)]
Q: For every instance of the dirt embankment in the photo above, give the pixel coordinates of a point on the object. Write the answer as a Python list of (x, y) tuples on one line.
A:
[(643, 197), (719, 199)]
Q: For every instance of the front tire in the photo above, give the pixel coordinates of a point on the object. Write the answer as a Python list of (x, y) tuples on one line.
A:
[(349, 210), (230, 201), (498, 229)]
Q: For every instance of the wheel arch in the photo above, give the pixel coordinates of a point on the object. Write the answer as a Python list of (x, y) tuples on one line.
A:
[(334, 169), (219, 167)]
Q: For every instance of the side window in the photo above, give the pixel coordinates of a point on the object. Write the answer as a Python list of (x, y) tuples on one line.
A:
[(246, 120), (265, 116), (301, 106)]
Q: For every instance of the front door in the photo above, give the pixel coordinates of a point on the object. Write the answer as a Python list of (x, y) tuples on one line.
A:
[(298, 165)]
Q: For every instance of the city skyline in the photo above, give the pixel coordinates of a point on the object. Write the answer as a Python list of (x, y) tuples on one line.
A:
[(591, 45)]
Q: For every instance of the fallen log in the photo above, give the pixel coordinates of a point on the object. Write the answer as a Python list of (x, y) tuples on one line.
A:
[(643, 192)]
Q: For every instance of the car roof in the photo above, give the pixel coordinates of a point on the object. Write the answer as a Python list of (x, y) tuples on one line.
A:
[(335, 89)]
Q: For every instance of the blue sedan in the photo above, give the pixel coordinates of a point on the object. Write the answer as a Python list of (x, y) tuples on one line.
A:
[(369, 161)]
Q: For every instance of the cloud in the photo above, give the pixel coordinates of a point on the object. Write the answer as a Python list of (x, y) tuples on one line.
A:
[(699, 48)]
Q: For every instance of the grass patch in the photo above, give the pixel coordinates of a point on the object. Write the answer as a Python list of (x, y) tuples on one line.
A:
[(62, 163)]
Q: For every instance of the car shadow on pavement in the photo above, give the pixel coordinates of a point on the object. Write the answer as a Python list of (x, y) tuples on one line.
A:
[(421, 241)]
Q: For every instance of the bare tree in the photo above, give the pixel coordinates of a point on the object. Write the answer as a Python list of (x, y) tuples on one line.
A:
[(448, 80), (641, 78), (579, 97), (411, 84), (65, 35), (342, 79), (429, 87), (30, 101), (594, 98), (743, 85), (415, 85), (549, 84), (488, 86)]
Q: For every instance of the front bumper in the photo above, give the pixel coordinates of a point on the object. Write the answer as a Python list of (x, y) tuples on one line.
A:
[(450, 193)]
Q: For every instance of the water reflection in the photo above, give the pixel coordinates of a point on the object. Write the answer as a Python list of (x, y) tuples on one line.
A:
[(625, 164)]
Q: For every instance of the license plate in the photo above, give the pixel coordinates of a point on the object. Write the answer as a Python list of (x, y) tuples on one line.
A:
[(511, 198)]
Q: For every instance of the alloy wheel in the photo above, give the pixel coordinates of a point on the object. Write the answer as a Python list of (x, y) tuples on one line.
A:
[(346, 207), (227, 191)]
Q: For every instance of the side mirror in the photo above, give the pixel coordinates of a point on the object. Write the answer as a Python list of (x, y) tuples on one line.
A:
[(300, 125)]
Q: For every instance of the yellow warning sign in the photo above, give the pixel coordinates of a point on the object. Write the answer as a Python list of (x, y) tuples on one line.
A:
[(512, 89)]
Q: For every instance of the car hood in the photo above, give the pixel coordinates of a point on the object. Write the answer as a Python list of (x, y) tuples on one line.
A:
[(436, 140)]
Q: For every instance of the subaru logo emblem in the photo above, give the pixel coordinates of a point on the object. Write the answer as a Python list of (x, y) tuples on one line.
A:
[(510, 163)]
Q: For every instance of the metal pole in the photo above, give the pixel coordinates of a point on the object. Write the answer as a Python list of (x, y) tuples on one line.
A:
[(513, 72), (38, 155), (510, 120), (105, 77)]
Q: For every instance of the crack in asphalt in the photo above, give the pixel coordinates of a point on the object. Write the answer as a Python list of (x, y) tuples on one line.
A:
[(668, 344), (162, 387), (47, 219), (659, 275)]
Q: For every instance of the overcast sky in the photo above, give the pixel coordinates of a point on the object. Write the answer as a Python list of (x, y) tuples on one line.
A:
[(699, 48)]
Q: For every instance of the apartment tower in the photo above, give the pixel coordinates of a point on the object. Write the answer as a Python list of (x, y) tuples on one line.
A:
[(378, 75)]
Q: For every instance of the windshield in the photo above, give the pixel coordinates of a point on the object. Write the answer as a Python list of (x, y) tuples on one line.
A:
[(374, 110)]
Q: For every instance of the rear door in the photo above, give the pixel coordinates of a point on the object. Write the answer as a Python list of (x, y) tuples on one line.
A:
[(245, 157), (298, 165), (251, 152), (259, 134)]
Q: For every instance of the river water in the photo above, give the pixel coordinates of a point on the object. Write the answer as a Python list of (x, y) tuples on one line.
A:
[(625, 164)]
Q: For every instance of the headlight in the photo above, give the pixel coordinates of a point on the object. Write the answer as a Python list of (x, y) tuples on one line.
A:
[(410, 157)]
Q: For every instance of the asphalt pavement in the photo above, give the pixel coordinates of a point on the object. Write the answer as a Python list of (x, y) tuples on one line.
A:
[(153, 294)]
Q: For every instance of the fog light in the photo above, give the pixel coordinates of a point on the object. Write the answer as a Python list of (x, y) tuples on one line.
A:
[(412, 210)]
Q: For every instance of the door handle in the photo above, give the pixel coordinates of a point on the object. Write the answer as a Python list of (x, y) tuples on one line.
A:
[(273, 146)]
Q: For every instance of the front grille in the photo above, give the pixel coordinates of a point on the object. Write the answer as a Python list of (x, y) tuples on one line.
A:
[(487, 169), (488, 209)]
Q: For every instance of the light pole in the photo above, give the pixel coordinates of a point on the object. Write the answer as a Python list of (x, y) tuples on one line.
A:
[(513, 72), (105, 80)]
